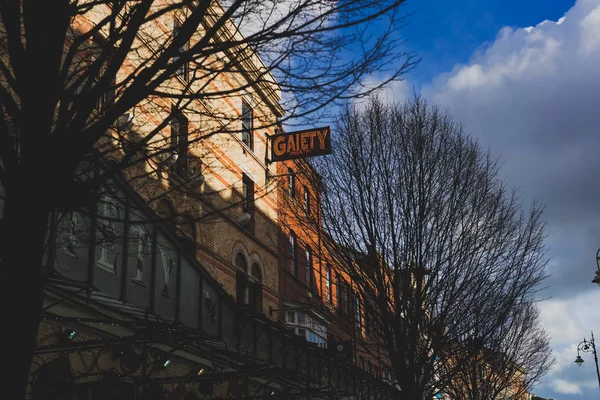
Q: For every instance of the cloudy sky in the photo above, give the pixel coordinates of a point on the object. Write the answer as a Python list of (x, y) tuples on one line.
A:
[(524, 77)]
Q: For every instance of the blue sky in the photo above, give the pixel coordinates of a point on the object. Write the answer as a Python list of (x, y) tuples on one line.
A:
[(445, 33), (524, 79)]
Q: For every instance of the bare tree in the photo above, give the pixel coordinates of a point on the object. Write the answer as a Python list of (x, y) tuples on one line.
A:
[(72, 69), (505, 363), (429, 233)]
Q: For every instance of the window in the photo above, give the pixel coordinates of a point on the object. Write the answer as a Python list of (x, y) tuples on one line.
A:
[(387, 376), (308, 257), (306, 200), (241, 279), (291, 317), (292, 253), (358, 312), (255, 290), (98, 58), (108, 232), (248, 288), (247, 194), (328, 283), (179, 142), (308, 327), (338, 291), (345, 299), (291, 183), (183, 70), (366, 317), (247, 126)]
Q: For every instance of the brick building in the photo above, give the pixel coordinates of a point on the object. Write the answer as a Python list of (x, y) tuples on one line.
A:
[(318, 298), (165, 285)]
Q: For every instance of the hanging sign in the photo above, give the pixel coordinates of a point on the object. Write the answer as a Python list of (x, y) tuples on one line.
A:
[(300, 144)]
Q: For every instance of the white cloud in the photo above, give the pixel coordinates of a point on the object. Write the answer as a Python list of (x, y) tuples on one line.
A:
[(533, 97), (590, 27), (564, 387), (397, 91)]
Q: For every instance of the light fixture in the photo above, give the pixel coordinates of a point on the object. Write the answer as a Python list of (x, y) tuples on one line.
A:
[(170, 158), (197, 180), (68, 335), (166, 363), (201, 371), (243, 219), (125, 119), (588, 346)]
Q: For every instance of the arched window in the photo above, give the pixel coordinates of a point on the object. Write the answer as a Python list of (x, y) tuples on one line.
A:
[(255, 272), (255, 289), (241, 279)]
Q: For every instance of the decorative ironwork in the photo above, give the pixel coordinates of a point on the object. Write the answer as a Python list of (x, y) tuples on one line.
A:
[(162, 315), (138, 361)]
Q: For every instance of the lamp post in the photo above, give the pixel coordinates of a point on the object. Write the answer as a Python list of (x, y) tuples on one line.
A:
[(588, 346), (596, 279)]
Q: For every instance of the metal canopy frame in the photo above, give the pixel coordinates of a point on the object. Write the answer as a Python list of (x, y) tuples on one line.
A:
[(298, 371), (241, 343)]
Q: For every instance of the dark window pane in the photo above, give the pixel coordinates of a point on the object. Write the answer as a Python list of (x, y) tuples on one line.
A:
[(247, 126)]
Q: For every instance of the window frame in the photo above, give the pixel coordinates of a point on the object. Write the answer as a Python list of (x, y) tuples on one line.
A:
[(312, 329), (248, 200), (346, 298), (338, 290), (308, 266), (293, 253), (248, 192), (306, 200), (247, 125), (179, 140), (328, 295), (255, 289), (107, 98), (358, 305), (291, 182)]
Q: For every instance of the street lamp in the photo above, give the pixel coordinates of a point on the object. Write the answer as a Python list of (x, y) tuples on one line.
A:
[(596, 279), (588, 347)]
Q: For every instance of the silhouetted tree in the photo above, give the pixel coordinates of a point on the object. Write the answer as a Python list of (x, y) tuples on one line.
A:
[(506, 361), (72, 70), (435, 241)]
